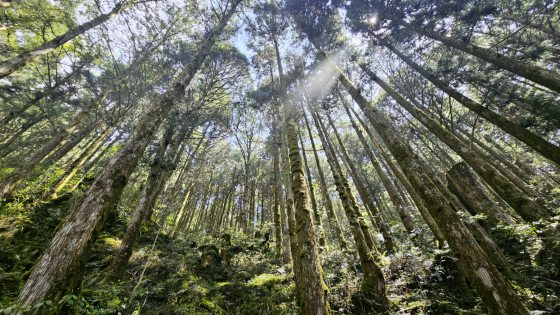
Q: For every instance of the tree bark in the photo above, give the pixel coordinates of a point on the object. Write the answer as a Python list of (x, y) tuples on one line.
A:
[(373, 284), (362, 191), (495, 291), (311, 285), (7, 67), (463, 182), (397, 171), (57, 270), (547, 78), (545, 148), (316, 214), (327, 201), (525, 206), (398, 202), (277, 210), (160, 171)]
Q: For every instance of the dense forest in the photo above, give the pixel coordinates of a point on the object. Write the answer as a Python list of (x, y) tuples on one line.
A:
[(280, 157)]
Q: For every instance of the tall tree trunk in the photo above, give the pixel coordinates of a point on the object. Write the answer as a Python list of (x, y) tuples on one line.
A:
[(398, 202), (397, 171), (77, 164), (327, 201), (181, 213), (160, 171), (463, 182), (373, 284), (545, 148), (311, 284), (522, 175), (7, 67), (547, 78), (58, 269), (495, 291), (92, 164), (314, 207), (518, 200), (277, 210), (362, 191)]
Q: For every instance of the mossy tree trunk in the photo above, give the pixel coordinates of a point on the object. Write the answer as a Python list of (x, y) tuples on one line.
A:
[(327, 201), (398, 202), (160, 171), (316, 214), (277, 210), (463, 182), (373, 284), (527, 208), (493, 288), (363, 193), (545, 148), (58, 270), (397, 171), (310, 282)]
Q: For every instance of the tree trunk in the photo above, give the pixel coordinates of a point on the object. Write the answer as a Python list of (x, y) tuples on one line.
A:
[(397, 171), (373, 284), (310, 284), (316, 214), (161, 170), (463, 182), (495, 291), (77, 164), (7, 67), (398, 202), (57, 270), (547, 78), (327, 201), (181, 213), (362, 191), (525, 206), (277, 210), (90, 165), (545, 148)]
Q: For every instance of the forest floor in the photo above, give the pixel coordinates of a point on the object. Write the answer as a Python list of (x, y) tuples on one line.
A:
[(190, 276)]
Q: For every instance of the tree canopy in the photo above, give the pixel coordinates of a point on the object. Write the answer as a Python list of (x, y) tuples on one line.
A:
[(279, 157)]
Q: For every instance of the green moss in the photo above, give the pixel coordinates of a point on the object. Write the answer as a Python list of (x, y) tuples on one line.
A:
[(116, 302), (415, 305), (266, 279), (115, 243), (211, 306)]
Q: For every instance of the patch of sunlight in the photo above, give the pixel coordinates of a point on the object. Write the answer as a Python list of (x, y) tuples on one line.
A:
[(211, 306), (115, 243), (415, 305), (265, 279), (223, 284)]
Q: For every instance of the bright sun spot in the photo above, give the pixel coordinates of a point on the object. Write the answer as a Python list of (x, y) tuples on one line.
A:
[(372, 20), (355, 41)]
